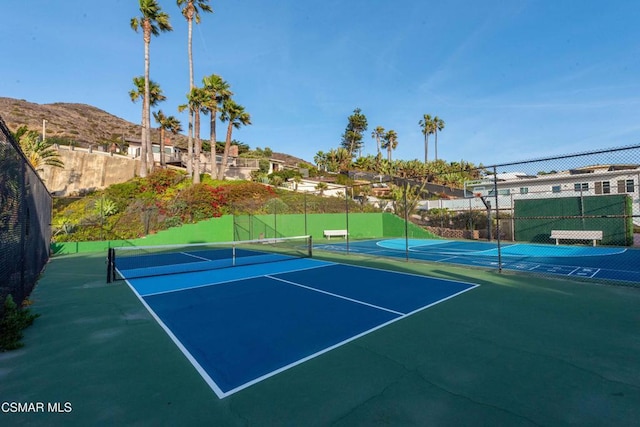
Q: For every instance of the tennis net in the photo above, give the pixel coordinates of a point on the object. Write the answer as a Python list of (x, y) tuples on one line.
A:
[(146, 261)]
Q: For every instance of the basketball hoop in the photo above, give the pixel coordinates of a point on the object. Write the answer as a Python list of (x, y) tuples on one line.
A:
[(477, 194)]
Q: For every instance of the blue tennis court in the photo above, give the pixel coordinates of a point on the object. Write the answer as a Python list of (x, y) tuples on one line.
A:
[(241, 325), (606, 263)]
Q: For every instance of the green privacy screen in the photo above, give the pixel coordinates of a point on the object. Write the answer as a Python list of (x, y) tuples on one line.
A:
[(535, 218), (360, 226), (249, 227)]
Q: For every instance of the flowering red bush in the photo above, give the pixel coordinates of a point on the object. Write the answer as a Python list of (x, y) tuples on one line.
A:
[(160, 180), (197, 202), (246, 195)]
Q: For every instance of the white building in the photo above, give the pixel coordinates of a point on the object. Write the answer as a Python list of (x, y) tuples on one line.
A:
[(584, 181)]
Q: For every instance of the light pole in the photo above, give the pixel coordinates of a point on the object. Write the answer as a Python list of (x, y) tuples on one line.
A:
[(44, 129)]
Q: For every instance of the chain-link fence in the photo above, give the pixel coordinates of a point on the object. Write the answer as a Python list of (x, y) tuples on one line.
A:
[(526, 201), (541, 216), (25, 217)]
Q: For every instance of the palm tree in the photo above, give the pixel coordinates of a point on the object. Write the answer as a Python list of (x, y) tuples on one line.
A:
[(320, 160), (377, 134), (166, 123), (191, 10), (427, 129), (155, 96), (198, 98), (236, 116), (152, 22), (438, 125), (390, 142), (343, 157), (321, 187), (38, 152), (219, 92)]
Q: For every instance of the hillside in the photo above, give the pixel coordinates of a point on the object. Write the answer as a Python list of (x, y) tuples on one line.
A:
[(85, 124)]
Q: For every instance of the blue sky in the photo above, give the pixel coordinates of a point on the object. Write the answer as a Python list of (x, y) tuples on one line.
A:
[(512, 79)]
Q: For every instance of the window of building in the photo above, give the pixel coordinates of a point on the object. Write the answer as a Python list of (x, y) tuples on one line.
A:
[(629, 184), (524, 190), (625, 186), (555, 189), (603, 187), (581, 186)]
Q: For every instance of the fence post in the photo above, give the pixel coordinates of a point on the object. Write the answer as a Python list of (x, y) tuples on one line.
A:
[(495, 196)]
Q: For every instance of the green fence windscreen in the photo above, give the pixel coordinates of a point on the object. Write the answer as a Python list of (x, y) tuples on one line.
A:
[(612, 214)]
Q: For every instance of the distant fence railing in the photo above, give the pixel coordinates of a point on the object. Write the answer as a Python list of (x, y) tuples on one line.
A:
[(25, 218)]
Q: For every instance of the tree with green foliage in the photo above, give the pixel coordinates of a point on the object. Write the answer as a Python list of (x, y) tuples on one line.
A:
[(236, 116), (320, 159), (321, 187), (38, 152), (352, 137), (155, 96), (390, 142), (378, 134), (219, 91), (198, 99), (166, 123), (191, 11), (152, 21), (438, 126), (426, 125)]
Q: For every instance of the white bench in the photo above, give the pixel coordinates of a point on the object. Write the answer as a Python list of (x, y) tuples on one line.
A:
[(334, 233), (577, 235)]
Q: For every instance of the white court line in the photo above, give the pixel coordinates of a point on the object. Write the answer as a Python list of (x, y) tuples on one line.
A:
[(341, 343), (222, 394), (335, 295), (203, 373), (220, 282), (196, 256)]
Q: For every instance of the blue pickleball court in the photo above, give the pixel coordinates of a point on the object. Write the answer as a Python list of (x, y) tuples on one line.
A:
[(608, 263), (241, 325)]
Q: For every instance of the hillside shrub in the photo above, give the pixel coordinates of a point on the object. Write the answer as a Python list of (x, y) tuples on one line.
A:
[(12, 322), (246, 197), (198, 202)]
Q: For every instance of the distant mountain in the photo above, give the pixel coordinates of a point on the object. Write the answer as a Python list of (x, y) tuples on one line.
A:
[(85, 124)]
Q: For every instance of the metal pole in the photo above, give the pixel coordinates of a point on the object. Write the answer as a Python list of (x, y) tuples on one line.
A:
[(495, 197), (406, 222), (346, 203), (305, 213)]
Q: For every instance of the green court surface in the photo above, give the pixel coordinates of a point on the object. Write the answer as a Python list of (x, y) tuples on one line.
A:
[(517, 350)]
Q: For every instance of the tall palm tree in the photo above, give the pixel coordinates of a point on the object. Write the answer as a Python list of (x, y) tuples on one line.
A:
[(152, 21), (191, 11), (236, 116), (438, 125), (166, 123), (427, 129), (155, 96), (219, 92), (377, 134), (197, 98), (390, 142)]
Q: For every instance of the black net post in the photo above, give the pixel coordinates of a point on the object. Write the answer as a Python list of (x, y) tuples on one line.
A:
[(110, 265)]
